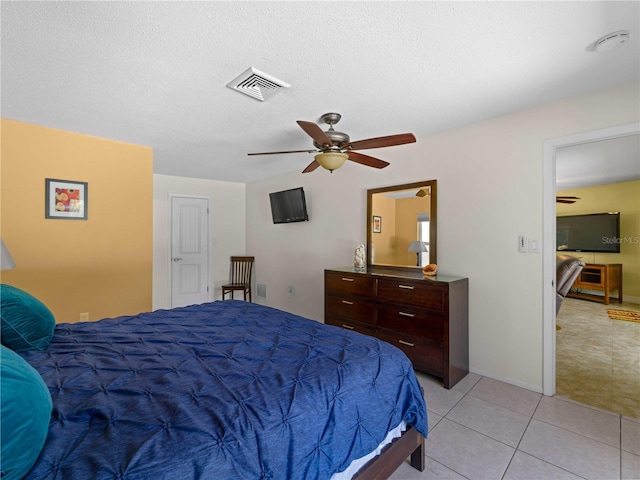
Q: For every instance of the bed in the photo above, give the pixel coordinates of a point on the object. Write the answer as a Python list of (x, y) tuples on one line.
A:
[(225, 390)]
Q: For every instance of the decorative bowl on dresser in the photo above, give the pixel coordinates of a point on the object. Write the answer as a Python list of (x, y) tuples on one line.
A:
[(427, 317)]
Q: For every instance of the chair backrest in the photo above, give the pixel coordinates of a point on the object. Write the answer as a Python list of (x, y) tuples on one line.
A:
[(567, 270), (241, 268)]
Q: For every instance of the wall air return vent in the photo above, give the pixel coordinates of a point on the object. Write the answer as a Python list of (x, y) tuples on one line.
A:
[(257, 84)]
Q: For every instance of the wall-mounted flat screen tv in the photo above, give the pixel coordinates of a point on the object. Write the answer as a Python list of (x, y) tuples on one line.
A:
[(595, 232), (289, 206)]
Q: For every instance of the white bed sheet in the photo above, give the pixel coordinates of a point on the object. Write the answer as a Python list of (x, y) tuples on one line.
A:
[(353, 468)]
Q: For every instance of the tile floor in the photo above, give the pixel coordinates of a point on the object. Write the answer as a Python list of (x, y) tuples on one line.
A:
[(485, 429), (598, 359)]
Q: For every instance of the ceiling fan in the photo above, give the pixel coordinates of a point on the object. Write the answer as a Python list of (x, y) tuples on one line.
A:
[(335, 147), (563, 199)]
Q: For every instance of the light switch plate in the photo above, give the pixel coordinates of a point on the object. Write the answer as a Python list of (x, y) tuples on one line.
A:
[(522, 244)]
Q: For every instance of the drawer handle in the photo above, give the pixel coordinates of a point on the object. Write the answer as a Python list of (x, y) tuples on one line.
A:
[(405, 314), (349, 327), (408, 287), (346, 302), (347, 279), (408, 344)]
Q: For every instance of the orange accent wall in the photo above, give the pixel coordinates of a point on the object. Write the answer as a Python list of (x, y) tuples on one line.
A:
[(383, 242), (101, 266)]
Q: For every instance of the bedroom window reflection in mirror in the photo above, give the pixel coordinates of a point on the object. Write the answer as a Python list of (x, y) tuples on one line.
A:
[(409, 211)]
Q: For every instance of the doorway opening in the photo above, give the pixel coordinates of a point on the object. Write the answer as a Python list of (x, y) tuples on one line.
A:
[(549, 234), (423, 236)]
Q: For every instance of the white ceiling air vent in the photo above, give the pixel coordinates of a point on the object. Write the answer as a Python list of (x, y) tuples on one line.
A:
[(257, 84)]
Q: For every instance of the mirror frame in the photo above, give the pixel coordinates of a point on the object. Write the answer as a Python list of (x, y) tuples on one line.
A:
[(433, 221)]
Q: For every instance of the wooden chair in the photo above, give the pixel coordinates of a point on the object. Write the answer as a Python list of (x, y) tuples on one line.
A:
[(240, 277)]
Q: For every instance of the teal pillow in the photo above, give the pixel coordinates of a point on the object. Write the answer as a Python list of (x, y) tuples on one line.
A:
[(24, 416), (25, 322)]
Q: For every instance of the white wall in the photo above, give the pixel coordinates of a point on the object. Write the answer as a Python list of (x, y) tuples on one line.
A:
[(490, 190), (227, 220)]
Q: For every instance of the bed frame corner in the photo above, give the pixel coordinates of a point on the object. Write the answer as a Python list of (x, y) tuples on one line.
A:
[(410, 444)]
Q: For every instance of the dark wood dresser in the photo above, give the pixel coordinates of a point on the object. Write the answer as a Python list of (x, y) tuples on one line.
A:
[(425, 317)]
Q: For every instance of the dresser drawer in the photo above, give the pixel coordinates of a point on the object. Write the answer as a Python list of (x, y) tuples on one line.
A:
[(426, 357), (349, 285), (411, 321), (350, 325), (420, 294), (351, 308)]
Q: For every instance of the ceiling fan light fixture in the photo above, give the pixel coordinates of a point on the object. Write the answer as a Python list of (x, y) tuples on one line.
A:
[(332, 145), (331, 160)]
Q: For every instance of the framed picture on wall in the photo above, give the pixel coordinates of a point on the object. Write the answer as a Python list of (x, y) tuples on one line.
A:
[(377, 224), (65, 199)]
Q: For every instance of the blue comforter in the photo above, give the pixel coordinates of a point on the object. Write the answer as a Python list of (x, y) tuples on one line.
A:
[(223, 390)]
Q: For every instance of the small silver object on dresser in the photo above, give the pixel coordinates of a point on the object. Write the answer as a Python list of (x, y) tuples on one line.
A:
[(360, 258)]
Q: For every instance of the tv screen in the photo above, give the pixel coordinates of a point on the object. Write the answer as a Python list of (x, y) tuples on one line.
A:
[(289, 206), (595, 232)]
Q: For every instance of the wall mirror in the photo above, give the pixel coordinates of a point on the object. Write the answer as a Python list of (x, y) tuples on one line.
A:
[(402, 225)]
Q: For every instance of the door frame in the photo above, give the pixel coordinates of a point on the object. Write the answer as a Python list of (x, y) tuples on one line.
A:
[(549, 241), (170, 243)]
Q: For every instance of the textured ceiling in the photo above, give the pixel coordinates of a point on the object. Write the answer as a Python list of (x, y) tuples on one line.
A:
[(155, 73)]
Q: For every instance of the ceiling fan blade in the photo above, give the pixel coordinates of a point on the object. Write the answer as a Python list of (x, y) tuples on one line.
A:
[(566, 199), (315, 132), (367, 160), (378, 142), (278, 153), (311, 167)]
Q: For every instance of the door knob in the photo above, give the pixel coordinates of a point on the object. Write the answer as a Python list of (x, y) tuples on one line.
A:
[(176, 259)]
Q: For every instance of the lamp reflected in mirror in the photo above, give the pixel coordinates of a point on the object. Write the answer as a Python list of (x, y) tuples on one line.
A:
[(418, 247)]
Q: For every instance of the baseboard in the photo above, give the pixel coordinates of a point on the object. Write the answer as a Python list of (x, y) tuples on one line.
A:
[(597, 295), (510, 381)]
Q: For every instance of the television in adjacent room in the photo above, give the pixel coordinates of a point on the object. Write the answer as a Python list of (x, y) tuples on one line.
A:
[(289, 206), (594, 232)]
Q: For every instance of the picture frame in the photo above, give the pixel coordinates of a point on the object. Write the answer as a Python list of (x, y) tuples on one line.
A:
[(66, 199), (377, 224)]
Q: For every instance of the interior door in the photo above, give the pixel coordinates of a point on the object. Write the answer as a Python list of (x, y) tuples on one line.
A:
[(189, 250)]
